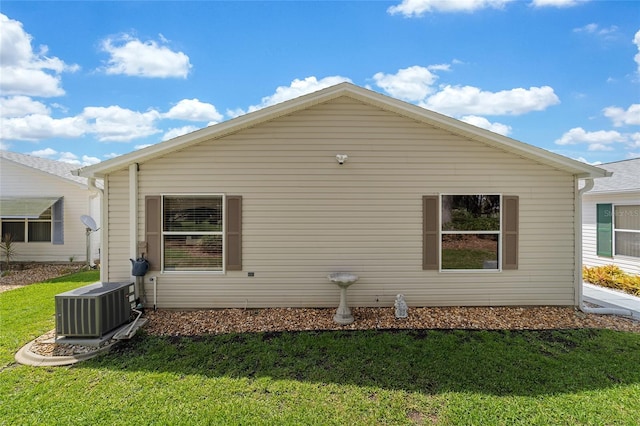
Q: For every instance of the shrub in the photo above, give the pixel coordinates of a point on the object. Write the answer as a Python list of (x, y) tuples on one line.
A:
[(8, 249), (613, 277)]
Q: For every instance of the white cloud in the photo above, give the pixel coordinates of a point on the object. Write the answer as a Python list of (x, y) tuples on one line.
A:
[(178, 131), (556, 3), (111, 155), (19, 106), (600, 147), (606, 33), (634, 140), (28, 120), (143, 146), (483, 123), (65, 157), (116, 124), (297, 88), (457, 100), (108, 124), (597, 141), (194, 110), (44, 153), (620, 117), (88, 160), (36, 127), (25, 72), (410, 84), (584, 160), (410, 8), (636, 41), (237, 112), (130, 56)]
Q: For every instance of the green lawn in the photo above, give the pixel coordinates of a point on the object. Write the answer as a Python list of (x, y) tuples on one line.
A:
[(362, 377), (466, 258)]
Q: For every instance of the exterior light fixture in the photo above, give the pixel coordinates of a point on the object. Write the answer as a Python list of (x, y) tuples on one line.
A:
[(341, 158)]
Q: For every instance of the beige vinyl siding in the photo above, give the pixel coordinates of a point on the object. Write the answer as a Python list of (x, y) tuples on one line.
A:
[(21, 181), (305, 216), (119, 266), (590, 258)]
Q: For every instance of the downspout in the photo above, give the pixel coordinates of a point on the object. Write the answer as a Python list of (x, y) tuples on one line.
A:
[(133, 220), (578, 245)]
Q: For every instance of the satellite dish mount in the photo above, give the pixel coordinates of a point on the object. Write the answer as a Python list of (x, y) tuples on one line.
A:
[(91, 227)]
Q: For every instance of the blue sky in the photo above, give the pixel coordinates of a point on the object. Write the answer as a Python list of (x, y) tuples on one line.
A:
[(85, 81)]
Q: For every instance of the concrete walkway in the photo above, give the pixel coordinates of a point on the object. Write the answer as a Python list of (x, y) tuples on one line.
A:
[(609, 298)]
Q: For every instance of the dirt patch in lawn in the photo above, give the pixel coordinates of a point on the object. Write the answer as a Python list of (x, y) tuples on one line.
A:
[(21, 274)]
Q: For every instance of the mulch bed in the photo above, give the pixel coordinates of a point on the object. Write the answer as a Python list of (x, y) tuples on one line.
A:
[(219, 321)]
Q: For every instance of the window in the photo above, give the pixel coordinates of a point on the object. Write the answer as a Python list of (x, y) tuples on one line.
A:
[(627, 230), (44, 223), (192, 232), (618, 230), (470, 231)]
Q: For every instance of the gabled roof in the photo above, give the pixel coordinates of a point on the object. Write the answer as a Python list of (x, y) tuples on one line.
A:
[(626, 177), (360, 94), (54, 168)]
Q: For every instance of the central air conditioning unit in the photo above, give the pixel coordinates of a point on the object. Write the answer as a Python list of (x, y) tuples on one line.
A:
[(94, 310)]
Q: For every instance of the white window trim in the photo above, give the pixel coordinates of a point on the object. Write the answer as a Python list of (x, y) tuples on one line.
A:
[(441, 233), (616, 230), (26, 221), (222, 271)]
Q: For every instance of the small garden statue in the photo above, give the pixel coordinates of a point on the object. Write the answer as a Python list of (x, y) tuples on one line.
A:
[(401, 307)]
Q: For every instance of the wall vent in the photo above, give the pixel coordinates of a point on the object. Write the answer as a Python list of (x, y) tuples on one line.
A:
[(94, 310)]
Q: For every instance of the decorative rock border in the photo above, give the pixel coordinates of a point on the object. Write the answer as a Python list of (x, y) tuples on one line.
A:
[(26, 357)]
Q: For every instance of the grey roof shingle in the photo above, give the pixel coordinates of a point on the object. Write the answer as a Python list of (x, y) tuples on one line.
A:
[(626, 177), (52, 167)]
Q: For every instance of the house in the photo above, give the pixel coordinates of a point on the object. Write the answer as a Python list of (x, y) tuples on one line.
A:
[(611, 218), (41, 202), (258, 210)]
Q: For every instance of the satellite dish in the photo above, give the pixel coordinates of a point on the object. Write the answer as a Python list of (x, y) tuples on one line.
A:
[(89, 222)]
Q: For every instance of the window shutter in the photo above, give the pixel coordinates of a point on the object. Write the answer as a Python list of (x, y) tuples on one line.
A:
[(430, 232), (153, 230), (234, 233), (57, 222), (604, 230), (510, 218)]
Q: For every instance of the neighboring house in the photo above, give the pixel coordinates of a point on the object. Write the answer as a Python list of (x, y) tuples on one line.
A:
[(41, 202), (256, 211), (611, 218)]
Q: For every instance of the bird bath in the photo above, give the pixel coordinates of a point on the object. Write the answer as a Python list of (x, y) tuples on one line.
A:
[(343, 280)]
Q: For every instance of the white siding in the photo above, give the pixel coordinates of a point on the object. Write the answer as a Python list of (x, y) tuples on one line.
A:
[(305, 216), (590, 257), (20, 181)]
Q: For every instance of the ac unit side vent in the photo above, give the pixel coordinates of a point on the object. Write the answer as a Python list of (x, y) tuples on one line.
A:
[(93, 310)]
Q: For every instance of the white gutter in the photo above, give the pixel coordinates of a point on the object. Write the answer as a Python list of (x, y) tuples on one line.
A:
[(91, 182), (578, 249)]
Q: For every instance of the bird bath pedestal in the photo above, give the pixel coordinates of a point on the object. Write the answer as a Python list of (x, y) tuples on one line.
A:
[(343, 280)]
